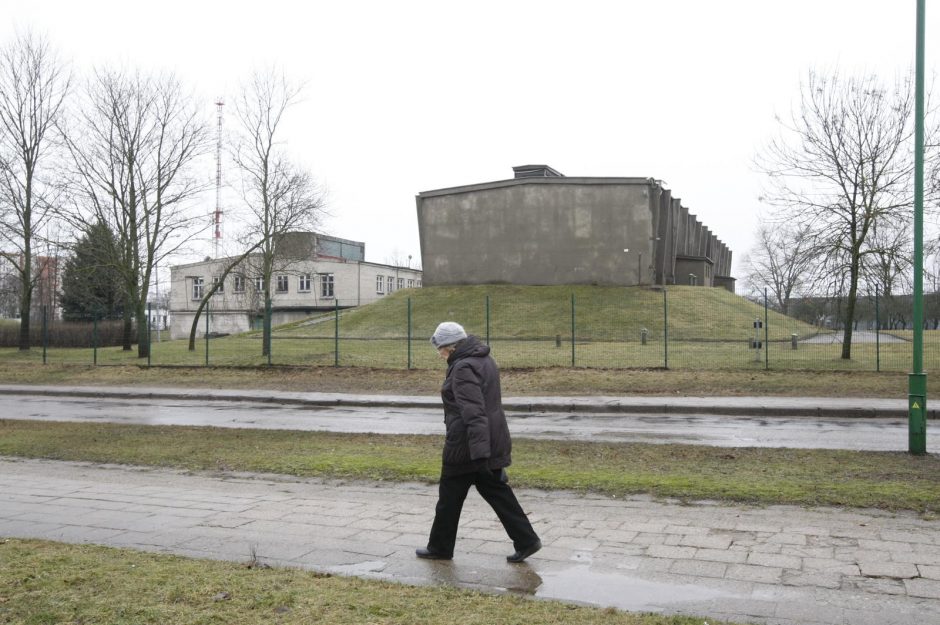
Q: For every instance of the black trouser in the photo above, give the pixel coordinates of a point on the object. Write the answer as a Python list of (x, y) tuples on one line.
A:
[(451, 494)]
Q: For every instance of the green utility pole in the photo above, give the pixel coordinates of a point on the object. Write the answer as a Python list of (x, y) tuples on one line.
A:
[(917, 381)]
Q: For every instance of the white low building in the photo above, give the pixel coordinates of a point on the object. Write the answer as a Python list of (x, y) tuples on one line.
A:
[(328, 273)]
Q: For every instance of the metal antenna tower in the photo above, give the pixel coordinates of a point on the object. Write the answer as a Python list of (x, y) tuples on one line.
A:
[(218, 179)]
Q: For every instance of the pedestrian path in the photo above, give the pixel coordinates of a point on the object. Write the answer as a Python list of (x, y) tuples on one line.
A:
[(781, 565)]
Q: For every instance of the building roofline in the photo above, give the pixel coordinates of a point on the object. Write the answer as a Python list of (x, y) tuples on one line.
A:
[(513, 182), (319, 258)]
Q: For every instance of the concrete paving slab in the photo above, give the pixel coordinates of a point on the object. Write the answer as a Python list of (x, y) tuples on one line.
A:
[(593, 552)]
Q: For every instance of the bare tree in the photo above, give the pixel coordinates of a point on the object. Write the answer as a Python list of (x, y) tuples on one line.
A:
[(887, 269), (782, 260), (397, 258), (34, 84), (135, 146), (280, 196), (842, 167)]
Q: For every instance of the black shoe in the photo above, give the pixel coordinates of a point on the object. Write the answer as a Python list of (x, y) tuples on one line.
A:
[(427, 554), (522, 554)]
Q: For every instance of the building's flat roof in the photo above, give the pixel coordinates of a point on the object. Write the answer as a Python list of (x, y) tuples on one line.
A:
[(320, 259), (513, 182)]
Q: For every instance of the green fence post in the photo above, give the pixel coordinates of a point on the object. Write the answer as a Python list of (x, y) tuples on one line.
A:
[(207, 334), (45, 334), (487, 319), (766, 334), (572, 330), (336, 333), (268, 329), (877, 335), (409, 333), (149, 343), (665, 331), (94, 340)]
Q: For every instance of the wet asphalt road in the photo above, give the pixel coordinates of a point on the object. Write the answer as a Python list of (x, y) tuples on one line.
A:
[(875, 434)]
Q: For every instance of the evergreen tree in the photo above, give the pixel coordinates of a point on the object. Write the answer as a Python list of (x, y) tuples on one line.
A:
[(91, 286)]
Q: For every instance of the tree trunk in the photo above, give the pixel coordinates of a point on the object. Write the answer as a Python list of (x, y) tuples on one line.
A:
[(192, 330), (25, 305), (850, 310), (26, 296), (128, 330), (143, 330)]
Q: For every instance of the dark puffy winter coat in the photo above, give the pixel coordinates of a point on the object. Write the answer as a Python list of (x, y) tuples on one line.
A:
[(477, 434)]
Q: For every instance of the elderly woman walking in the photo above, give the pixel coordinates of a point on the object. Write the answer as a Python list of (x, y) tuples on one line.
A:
[(477, 447)]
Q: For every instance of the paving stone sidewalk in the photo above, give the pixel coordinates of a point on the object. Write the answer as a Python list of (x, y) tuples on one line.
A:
[(780, 565)]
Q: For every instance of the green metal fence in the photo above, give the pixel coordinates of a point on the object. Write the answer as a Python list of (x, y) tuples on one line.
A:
[(593, 327)]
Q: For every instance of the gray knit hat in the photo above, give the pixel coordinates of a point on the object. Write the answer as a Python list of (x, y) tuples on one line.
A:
[(448, 333)]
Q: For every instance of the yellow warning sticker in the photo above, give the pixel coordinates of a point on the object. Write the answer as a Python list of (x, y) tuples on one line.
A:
[(915, 406)]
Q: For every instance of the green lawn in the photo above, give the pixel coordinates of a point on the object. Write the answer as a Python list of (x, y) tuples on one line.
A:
[(245, 350), (45, 583), (889, 480)]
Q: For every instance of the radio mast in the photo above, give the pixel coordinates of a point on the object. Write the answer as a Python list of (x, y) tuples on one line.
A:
[(217, 236)]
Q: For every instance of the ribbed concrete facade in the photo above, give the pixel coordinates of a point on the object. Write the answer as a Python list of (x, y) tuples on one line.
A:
[(543, 228)]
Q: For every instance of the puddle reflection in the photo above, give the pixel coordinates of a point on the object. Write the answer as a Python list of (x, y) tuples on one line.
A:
[(621, 591), (517, 578)]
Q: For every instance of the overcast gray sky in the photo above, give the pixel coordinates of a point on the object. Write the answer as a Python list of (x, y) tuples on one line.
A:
[(410, 96)]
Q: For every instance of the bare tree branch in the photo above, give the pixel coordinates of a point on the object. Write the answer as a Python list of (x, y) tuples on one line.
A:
[(134, 147), (842, 170), (281, 197), (34, 85)]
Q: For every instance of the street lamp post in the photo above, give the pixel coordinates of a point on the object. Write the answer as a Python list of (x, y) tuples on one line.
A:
[(917, 380)]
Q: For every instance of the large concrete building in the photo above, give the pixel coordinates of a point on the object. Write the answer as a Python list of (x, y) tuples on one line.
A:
[(316, 273), (542, 227)]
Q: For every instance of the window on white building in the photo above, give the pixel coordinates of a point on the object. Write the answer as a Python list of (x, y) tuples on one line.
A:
[(418, 283), (304, 286), (401, 283), (197, 288), (326, 285), (259, 284), (411, 283), (380, 284), (281, 286), (221, 287), (391, 283), (238, 283)]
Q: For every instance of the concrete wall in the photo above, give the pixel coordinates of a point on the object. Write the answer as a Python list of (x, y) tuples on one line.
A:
[(538, 231), (700, 267), (565, 230)]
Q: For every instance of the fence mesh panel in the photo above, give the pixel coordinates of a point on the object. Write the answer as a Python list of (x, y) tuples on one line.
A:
[(678, 327)]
